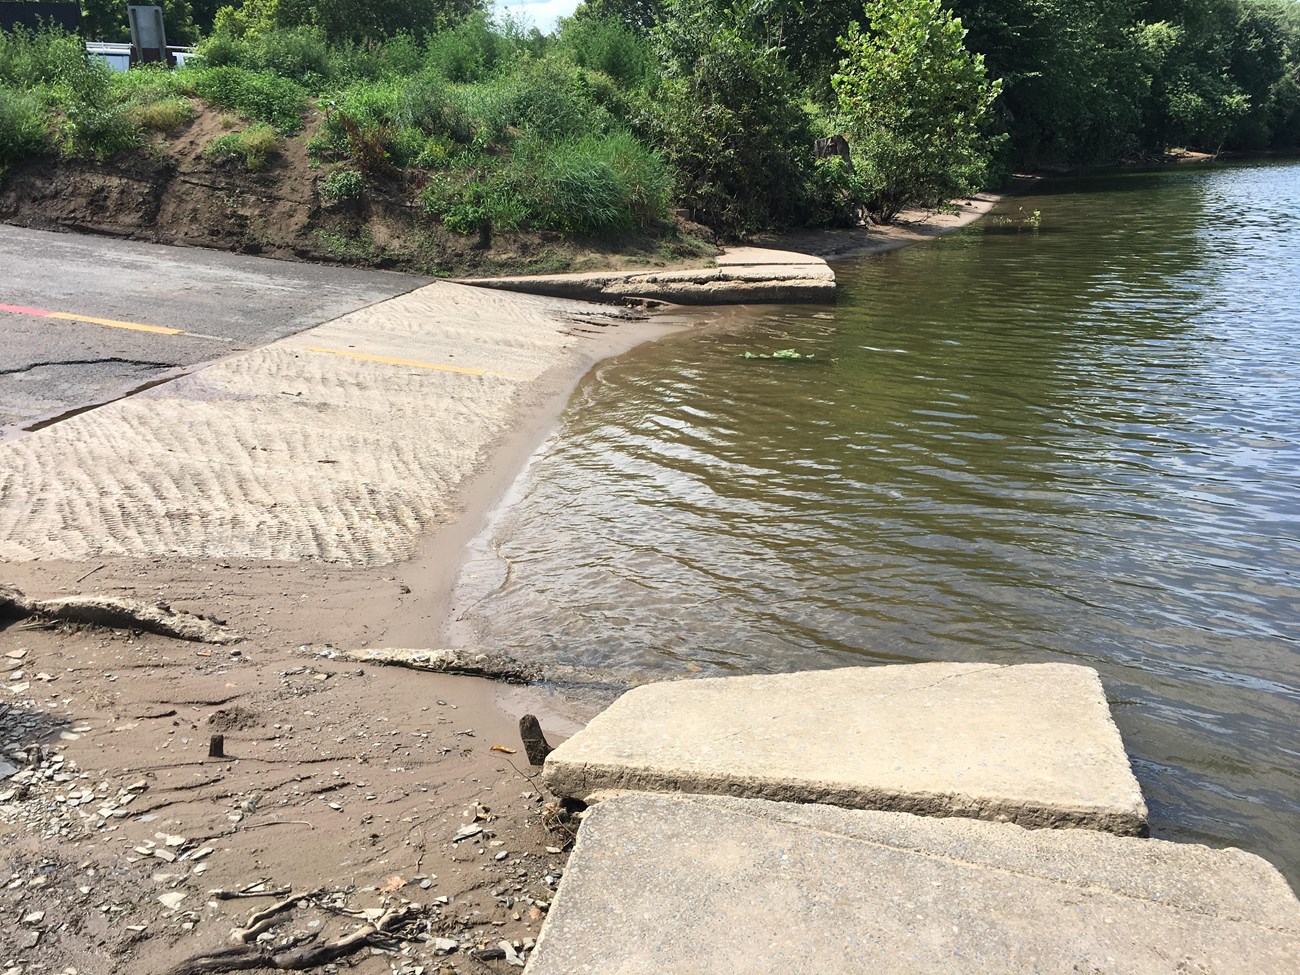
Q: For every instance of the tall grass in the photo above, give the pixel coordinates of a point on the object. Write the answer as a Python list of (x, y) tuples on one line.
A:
[(22, 127)]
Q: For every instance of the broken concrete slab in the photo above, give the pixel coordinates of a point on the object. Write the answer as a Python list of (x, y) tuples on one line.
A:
[(737, 283), (711, 884), (1032, 744)]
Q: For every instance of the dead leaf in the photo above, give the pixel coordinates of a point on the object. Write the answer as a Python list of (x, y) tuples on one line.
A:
[(503, 748), (392, 885)]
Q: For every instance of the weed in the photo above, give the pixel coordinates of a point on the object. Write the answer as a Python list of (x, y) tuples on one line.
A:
[(345, 184), (253, 147), (162, 116)]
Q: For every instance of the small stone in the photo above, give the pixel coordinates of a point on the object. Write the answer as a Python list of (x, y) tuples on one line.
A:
[(445, 946), (36, 917), (172, 899), (512, 956)]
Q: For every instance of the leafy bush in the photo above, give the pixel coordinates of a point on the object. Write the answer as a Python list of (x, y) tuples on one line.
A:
[(29, 59), (475, 201), (607, 45), (549, 98), (253, 147), (729, 119), (429, 104), (256, 95), (22, 127), (90, 119), (345, 184)]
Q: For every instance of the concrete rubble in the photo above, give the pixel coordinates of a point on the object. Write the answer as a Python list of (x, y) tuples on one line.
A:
[(1032, 744), (711, 884)]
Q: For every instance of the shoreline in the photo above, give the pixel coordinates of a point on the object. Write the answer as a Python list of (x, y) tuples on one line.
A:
[(310, 737), (911, 227)]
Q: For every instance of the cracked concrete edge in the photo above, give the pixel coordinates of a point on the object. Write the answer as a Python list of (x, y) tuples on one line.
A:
[(595, 783), (627, 748)]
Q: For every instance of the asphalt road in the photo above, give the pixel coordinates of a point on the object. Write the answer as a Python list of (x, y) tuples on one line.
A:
[(86, 320)]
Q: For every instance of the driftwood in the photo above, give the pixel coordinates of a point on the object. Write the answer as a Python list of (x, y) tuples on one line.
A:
[(297, 954), (259, 921), (127, 614), (494, 666)]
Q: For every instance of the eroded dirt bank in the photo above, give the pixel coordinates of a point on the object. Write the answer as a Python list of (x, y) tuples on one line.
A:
[(172, 193)]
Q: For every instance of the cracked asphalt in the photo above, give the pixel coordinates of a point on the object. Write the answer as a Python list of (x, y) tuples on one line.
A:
[(87, 320)]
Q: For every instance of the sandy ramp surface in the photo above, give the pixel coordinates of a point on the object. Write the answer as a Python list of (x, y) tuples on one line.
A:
[(342, 443)]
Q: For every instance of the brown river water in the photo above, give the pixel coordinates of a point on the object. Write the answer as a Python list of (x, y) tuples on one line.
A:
[(1073, 436)]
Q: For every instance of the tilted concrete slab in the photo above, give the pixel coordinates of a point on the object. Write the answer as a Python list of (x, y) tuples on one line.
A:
[(754, 276), (1032, 744), (709, 884)]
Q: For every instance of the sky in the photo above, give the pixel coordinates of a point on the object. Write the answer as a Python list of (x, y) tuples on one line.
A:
[(542, 13)]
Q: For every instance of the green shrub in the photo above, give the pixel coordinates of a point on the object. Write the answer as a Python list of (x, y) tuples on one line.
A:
[(346, 184), (913, 102), (429, 104), (549, 98), (468, 52), (608, 45), (22, 127), (253, 147), (729, 120), (32, 58), (94, 129), (256, 95), (475, 202)]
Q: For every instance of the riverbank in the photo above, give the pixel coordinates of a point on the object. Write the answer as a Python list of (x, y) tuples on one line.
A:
[(371, 771), (911, 227)]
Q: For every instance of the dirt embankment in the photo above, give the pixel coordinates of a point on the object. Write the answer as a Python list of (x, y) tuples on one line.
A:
[(172, 192)]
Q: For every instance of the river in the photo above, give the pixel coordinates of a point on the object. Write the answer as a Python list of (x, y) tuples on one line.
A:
[(1068, 432)]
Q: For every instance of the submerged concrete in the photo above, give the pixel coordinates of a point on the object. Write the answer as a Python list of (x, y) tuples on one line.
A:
[(707, 885), (1031, 744)]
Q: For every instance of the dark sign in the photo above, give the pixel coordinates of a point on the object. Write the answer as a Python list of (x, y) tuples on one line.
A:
[(65, 15)]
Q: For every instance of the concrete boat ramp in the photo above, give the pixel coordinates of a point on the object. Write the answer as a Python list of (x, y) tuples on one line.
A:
[(689, 861)]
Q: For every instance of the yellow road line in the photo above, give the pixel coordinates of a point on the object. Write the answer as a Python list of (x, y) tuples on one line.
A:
[(113, 323), (415, 363)]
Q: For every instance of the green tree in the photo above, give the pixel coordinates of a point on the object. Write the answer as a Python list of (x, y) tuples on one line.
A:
[(913, 103), (727, 116)]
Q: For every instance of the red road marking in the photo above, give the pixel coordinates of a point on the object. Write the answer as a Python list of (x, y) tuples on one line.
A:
[(21, 310)]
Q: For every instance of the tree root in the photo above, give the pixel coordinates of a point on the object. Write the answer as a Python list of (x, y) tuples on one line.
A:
[(294, 955)]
